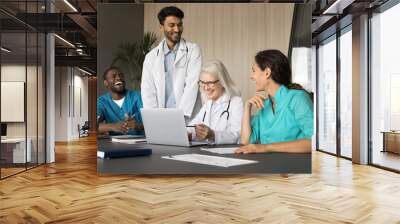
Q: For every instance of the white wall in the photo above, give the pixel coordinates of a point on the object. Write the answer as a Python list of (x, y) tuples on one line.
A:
[(81, 104), (71, 102), (61, 96)]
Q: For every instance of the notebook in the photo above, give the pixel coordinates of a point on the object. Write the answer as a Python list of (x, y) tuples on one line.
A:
[(122, 152)]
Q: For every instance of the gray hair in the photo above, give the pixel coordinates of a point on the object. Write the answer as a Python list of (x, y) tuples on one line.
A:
[(217, 68)]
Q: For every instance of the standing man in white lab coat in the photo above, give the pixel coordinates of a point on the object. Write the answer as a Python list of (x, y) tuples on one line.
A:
[(171, 70)]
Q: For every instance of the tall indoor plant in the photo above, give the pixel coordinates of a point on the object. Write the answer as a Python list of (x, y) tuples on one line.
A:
[(131, 56)]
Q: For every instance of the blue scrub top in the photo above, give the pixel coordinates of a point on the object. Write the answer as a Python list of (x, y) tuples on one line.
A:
[(110, 112), (292, 120)]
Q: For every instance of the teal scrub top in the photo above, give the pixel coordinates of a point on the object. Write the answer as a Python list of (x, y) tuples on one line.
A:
[(110, 112), (292, 120)]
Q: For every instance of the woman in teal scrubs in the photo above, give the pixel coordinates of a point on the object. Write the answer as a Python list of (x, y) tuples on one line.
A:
[(284, 122)]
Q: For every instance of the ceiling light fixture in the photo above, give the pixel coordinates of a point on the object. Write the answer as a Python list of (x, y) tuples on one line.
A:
[(70, 5), (84, 71), (337, 7), (80, 51), (65, 41), (5, 50)]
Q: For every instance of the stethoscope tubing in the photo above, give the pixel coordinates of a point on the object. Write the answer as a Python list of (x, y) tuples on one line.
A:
[(223, 112)]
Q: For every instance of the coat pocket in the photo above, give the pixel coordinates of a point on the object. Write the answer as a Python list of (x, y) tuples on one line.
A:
[(182, 62)]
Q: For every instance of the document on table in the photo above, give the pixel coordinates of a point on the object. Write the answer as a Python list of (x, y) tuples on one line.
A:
[(221, 150), (127, 136), (210, 160), (129, 141)]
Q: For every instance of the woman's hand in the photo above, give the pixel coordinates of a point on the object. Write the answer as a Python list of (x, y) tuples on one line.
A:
[(250, 148), (204, 132), (257, 101)]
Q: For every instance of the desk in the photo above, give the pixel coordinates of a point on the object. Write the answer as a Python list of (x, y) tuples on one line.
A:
[(15, 153), (391, 141), (267, 162)]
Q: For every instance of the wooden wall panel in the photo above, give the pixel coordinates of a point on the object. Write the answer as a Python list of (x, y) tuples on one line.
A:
[(232, 33)]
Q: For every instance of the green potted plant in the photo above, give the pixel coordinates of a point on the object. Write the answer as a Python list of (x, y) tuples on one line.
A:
[(131, 56)]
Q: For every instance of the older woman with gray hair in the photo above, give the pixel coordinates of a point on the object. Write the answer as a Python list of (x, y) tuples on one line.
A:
[(219, 120)]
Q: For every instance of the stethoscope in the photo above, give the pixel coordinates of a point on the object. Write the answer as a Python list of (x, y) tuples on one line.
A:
[(223, 112), (187, 49)]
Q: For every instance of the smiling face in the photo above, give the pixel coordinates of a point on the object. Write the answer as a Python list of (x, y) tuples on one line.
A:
[(172, 28), (115, 81), (211, 86), (260, 77)]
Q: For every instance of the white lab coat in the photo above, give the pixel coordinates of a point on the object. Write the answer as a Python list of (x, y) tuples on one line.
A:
[(187, 70), (227, 131)]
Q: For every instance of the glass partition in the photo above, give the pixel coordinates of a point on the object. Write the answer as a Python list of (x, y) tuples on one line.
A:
[(327, 96), (385, 89), (22, 63), (14, 153)]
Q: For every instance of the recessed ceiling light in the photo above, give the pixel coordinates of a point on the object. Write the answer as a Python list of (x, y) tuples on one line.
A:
[(65, 41), (337, 7), (5, 50), (70, 5), (84, 71)]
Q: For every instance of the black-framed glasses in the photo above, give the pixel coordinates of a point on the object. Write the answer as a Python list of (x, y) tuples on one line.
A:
[(208, 83)]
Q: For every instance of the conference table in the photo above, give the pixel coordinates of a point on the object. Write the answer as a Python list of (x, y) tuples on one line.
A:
[(155, 164)]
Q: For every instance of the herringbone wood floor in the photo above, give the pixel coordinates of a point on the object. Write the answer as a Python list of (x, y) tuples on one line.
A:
[(70, 191)]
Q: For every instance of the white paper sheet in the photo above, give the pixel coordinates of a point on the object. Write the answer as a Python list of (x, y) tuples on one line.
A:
[(221, 150), (127, 136), (210, 160), (129, 141)]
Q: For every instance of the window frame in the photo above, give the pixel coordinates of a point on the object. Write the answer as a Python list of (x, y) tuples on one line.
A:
[(334, 37)]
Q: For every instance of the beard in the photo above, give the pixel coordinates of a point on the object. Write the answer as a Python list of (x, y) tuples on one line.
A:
[(173, 37)]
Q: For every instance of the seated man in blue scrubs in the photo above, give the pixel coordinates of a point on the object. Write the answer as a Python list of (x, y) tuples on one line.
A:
[(118, 111)]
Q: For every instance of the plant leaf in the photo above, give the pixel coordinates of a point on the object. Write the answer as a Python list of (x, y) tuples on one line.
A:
[(132, 54)]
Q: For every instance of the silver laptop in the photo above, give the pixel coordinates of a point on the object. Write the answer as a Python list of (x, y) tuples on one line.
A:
[(166, 126)]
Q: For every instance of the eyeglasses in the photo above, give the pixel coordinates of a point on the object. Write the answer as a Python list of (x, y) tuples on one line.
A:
[(209, 84)]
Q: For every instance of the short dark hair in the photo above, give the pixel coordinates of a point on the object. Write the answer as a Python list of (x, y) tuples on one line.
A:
[(108, 70), (169, 11), (279, 64)]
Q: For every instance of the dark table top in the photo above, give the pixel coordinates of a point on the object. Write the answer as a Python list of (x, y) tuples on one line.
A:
[(154, 164)]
